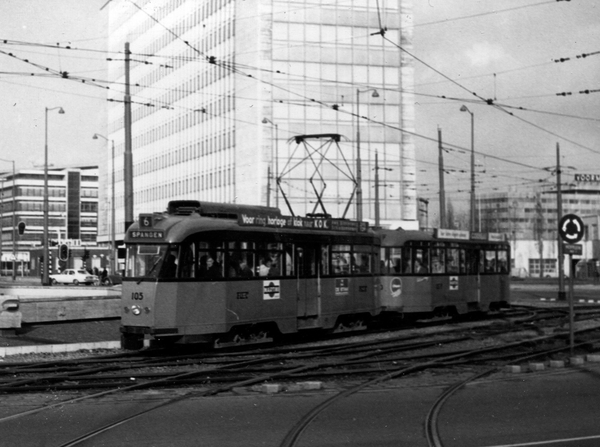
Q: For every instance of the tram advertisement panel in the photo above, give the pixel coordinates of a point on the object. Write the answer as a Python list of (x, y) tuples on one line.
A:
[(305, 223)]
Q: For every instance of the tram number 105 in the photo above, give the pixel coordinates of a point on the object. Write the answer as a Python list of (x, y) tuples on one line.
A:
[(137, 295)]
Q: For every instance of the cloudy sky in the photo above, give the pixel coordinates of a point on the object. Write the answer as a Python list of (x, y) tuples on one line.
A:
[(466, 50), (505, 51)]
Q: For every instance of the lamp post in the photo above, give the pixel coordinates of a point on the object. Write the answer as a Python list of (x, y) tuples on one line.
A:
[(268, 121), (14, 221), (112, 204), (46, 248), (375, 94), (465, 109)]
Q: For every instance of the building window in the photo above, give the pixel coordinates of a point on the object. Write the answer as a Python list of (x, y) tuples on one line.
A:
[(549, 266)]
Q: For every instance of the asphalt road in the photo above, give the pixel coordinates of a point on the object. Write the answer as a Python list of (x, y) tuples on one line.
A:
[(551, 408)]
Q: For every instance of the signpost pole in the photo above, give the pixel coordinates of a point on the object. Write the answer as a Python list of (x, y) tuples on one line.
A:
[(571, 308), (571, 229)]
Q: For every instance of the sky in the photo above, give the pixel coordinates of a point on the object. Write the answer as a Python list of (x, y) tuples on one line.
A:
[(466, 52), (468, 42), (24, 98)]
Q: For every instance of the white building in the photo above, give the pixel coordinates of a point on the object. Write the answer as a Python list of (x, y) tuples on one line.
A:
[(220, 88)]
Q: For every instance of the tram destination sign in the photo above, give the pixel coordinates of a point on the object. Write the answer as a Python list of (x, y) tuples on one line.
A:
[(301, 223), (147, 234)]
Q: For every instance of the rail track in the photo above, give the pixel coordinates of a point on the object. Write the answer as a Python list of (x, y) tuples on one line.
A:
[(368, 360)]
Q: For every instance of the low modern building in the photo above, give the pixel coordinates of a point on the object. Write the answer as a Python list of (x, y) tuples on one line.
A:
[(72, 214), (530, 222)]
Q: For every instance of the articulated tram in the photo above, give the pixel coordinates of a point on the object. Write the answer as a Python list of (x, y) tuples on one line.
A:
[(223, 274)]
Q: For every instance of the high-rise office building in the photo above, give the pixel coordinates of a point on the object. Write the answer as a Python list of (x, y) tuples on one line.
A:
[(220, 88)]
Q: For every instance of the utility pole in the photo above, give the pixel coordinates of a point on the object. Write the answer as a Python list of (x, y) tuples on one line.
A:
[(441, 177), (561, 276), (376, 191), (128, 156)]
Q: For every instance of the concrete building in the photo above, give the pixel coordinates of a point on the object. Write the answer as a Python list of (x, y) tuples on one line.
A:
[(219, 88), (530, 222), (72, 211)]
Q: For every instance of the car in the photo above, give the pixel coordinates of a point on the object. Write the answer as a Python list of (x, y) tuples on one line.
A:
[(74, 276), (112, 280)]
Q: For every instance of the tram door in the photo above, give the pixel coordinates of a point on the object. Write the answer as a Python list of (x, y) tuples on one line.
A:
[(307, 287)]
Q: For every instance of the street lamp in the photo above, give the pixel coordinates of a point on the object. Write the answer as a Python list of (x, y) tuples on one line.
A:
[(358, 162), (465, 109), (112, 209), (268, 121), (14, 219), (46, 248)]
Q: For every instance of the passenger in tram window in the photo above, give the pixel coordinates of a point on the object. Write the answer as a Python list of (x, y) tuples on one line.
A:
[(170, 264), (244, 270), (233, 270), (437, 266), (265, 267), (213, 268), (364, 266), (420, 269), (203, 268)]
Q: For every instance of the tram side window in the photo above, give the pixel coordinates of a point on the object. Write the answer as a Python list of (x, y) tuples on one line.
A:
[(290, 267), (394, 261), (502, 261), (341, 259), (453, 260), (362, 259), (187, 260), (406, 260), (420, 261), (307, 260), (437, 260), (489, 261), (240, 260), (169, 267), (324, 259), (472, 261), (210, 260), (270, 259)]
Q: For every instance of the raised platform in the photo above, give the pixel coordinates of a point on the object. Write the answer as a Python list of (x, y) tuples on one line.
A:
[(38, 304)]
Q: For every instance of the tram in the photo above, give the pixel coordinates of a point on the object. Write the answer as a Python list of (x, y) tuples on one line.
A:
[(446, 274), (229, 274)]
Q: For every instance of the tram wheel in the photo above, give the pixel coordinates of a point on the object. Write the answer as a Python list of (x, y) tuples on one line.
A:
[(132, 342)]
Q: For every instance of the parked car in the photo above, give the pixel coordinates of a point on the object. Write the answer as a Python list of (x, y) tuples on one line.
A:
[(73, 276), (112, 280)]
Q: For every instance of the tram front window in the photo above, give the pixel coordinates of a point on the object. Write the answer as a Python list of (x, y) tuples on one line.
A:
[(145, 260)]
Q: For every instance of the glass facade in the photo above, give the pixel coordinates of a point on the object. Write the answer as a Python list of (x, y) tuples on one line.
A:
[(220, 88)]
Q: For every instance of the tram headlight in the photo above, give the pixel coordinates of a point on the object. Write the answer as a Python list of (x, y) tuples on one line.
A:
[(136, 310)]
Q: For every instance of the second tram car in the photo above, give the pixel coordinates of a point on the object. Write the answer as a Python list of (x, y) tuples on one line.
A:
[(219, 273)]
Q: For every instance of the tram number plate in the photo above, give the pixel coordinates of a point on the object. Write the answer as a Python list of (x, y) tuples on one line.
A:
[(242, 295), (137, 296)]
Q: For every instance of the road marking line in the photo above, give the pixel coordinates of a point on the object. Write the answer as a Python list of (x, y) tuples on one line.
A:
[(556, 441)]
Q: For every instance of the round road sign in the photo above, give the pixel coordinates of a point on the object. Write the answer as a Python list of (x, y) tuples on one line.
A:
[(570, 228)]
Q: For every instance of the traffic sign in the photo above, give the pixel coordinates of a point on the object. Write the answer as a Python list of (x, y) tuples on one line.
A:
[(570, 228), (572, 249)]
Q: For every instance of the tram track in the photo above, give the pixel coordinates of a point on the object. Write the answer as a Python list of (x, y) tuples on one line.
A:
[(368, 361), (120, 370)]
